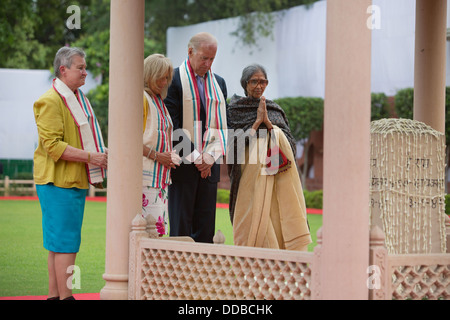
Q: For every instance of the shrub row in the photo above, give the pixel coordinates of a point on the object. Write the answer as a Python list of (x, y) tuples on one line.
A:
[(313, 199)]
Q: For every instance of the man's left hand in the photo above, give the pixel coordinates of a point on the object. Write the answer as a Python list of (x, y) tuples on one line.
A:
[(205, 166)]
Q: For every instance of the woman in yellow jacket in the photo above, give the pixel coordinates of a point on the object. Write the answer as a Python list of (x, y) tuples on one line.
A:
[(69, 156)]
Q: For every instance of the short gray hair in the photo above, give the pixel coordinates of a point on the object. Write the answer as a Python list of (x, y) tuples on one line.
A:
[(64, 58), (201, 38), (248, 72)]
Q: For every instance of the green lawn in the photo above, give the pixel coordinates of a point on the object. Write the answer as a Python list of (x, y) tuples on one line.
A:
[(23, 260)]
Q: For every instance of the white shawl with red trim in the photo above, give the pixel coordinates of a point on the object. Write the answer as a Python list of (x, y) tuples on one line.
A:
[(158, 136), (88, 127), (215, 137)]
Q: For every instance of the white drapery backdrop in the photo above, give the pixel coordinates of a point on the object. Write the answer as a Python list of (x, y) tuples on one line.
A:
[(19, 89), (294, 59), (295, 56)]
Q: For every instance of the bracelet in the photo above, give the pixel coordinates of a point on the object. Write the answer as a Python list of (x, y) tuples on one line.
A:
[(89, 157), (148, 154), (156, 156)]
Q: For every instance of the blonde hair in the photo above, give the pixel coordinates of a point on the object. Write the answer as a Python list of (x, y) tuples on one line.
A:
[(156, 66)]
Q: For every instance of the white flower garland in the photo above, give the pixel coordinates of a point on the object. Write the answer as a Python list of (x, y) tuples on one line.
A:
[(408, 185)]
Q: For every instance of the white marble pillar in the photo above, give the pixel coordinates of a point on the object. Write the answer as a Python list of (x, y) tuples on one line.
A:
[(124, 198), (345, 243), (430, 63)]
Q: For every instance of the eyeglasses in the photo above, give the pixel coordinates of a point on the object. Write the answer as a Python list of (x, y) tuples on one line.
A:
[(255, 82)]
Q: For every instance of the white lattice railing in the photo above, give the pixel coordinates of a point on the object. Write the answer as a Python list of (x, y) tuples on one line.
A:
[(420, 276), (167, 269), (409, 276)]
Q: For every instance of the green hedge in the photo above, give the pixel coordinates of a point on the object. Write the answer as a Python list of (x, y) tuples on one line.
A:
[(313, 199), (379, 106), (304, 114), (223, 196), (17, 169), (404, 107), (447, 204)]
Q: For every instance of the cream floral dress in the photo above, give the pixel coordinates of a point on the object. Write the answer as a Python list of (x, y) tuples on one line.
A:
[(154, 203)]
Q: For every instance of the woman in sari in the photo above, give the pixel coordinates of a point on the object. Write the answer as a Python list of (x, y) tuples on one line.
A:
[(267, 206)]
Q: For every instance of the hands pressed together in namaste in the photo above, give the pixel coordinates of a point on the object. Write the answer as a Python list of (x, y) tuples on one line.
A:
[(261, 115)]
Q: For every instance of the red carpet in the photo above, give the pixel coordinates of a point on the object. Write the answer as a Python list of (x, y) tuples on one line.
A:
[(35, 198), (79, 296), (103, 199), (96, 296)]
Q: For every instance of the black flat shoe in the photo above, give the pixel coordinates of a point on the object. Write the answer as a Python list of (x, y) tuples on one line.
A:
[(53, 298), (69, 298)]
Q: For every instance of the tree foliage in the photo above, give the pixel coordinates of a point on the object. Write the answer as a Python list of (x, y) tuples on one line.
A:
[(404, 103), (404, 107), (304, 114), (254, 15), (380, 107), (31, 31)]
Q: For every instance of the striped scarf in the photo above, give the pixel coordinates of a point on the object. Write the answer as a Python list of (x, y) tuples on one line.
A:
[(88, 127), (216, 124), (157, 135)]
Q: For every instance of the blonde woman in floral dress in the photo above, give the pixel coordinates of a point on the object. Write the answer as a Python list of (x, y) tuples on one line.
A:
[(158, 156)]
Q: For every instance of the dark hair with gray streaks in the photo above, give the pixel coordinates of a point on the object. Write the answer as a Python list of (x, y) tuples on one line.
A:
[(64, 58), (248, 72)]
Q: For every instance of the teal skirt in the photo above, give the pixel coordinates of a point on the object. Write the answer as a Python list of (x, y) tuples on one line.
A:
[(62, 217)]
